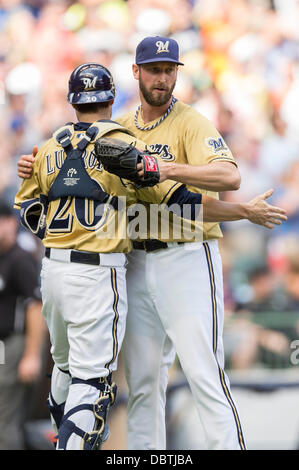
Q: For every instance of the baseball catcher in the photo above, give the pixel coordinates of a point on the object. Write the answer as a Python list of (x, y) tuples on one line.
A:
[(121, 159)]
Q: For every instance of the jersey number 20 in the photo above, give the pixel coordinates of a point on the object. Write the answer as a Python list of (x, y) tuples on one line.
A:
[(90, 214)]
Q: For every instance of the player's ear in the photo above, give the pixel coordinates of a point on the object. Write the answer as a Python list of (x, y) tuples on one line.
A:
[(135, 70), (110, 108)]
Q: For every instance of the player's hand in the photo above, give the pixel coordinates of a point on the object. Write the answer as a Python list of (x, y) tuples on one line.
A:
[(262, 213), (29, 368), (25, 164), (162, 169)]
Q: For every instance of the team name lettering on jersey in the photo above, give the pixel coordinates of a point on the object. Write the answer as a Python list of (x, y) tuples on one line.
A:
[(55, 162), (50, 168), (217, 145), (163, 151), (59, 158)]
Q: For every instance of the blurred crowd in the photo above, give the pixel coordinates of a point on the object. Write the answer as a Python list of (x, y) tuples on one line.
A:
[(241, 71)]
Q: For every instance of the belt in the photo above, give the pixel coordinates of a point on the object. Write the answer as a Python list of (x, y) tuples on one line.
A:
[(154, 245), (86, 257)]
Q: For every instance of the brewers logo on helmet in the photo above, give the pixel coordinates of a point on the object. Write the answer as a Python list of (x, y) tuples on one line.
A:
[(90, 83)]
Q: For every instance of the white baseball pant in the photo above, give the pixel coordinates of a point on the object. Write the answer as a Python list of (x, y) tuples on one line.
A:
[(85, 309), (175, 303)]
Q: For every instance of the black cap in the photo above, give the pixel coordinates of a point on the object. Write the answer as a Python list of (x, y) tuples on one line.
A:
[(157, 49)]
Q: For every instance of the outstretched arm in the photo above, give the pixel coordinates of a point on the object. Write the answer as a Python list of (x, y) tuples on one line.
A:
[(257, 211)]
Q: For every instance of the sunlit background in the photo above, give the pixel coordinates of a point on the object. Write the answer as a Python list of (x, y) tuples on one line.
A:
[(242, 72)]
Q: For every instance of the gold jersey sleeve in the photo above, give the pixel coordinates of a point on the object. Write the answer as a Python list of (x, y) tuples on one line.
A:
[(81, 223), (186, 137)]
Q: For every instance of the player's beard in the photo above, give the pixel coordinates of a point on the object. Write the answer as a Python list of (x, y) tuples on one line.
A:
[(152, 99)]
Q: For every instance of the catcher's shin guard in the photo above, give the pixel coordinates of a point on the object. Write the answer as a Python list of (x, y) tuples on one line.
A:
[(93, 439), (56, 411)]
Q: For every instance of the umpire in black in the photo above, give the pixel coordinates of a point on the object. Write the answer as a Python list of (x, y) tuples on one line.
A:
[(22, 329)]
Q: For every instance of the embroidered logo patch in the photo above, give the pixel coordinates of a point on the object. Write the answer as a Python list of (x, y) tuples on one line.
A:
[(217, 145), (71, 172), (162, 46), (70, 180), (150, 163)]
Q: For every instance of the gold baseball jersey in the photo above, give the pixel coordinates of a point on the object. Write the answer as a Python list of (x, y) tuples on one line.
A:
[(187, 137), (80, 223)]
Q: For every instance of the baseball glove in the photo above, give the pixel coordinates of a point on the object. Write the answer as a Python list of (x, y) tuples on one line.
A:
[(121, 159)]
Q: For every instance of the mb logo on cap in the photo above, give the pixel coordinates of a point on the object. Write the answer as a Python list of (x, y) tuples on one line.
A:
[(90, 83), (162, 46), (157, 49)]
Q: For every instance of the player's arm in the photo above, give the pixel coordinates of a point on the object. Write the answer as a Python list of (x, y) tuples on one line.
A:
[(30, 188), (257, 211), (214, 176), (177, 198), (31, 203), (210, 164), (121, 159), (25, 164)]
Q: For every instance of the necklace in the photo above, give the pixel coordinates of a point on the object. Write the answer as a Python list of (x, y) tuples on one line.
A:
[(149, 128)]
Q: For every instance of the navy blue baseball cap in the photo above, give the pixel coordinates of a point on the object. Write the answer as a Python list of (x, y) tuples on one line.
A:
[(157, 49)]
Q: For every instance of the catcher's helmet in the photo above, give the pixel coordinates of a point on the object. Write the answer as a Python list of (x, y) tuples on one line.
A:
[(90, 83)]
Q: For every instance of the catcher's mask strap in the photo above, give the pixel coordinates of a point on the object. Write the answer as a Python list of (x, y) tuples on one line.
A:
[(63, 136), (90, 136), (73, 178), (95, 130)]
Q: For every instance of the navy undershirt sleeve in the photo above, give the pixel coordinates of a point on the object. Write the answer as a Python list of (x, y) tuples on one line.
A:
[(185, 203)]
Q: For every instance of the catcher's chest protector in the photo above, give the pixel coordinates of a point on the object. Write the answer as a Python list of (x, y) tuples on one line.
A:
[(73, 179)]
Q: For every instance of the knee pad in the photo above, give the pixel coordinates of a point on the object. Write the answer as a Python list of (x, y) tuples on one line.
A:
[(93, 439)]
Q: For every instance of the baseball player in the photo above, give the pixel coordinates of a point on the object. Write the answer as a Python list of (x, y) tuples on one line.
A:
[(175, 291), (175, 287), (83, 275)]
